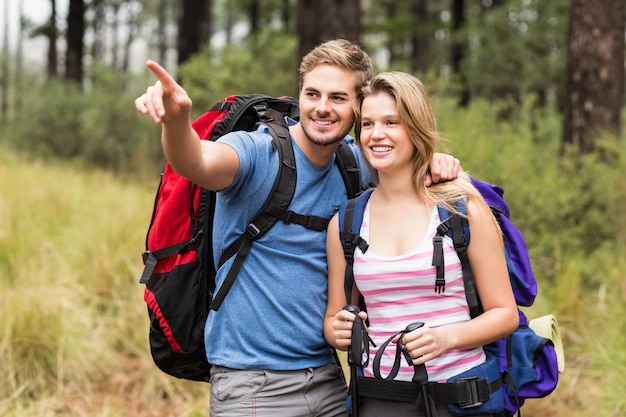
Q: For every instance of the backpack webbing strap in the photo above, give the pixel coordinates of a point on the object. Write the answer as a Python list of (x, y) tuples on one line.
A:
[(458, 223), (350, 241), (350, 173), (469, 391), (347, 237), (307, 220), (150, 258), (420, 375), (280, 195), (345, 160), (455, 226), (242, 252)]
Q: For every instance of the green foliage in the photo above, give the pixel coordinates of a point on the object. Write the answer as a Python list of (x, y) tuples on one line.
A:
[(516, 48), (98, 127), (550, 193), (270, 13), (510, 48), (266, 64), (390, 26)]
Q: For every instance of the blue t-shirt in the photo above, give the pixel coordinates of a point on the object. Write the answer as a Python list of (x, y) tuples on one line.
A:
[(273, 316)]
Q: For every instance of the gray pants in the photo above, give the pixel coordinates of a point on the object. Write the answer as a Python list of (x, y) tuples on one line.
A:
[(313, 392)]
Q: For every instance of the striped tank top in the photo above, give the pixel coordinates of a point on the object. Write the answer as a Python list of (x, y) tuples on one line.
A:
[(400, 290)]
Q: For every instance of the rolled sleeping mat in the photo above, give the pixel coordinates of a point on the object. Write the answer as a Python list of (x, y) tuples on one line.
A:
[(547, 326)]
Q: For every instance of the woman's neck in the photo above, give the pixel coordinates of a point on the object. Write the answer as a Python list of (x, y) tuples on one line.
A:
[(397, 187)]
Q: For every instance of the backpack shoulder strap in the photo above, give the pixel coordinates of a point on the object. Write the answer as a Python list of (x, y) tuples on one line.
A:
[(350, 217), (280, 196), (456, 226), (350, 173), (346, 162)]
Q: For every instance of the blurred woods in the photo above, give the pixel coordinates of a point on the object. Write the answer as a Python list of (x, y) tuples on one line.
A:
[(529, 92), (565, 54)]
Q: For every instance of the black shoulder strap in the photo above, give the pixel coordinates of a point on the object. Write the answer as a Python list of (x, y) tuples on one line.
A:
[(349, 228), (454, 226), (280, 196), (345, 160), (347, 236), (350, 173)]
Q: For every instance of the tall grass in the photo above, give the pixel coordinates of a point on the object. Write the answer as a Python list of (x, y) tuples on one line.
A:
[(73, 334), (74, 326)]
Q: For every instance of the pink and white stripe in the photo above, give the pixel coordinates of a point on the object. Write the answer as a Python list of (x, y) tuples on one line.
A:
[(401, 290)]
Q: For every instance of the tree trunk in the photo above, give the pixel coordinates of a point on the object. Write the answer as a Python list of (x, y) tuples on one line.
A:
[(595, 83), (98, 27), (393, 47), (53, 64), (420, 56), (161, 13), (75, 33), (115, 33), (194, 28), (322, 20), (4, 72), (19, 61), (307, 26), (285, 15), (254, 15), (132, 29), (459, 47), (229, 22)]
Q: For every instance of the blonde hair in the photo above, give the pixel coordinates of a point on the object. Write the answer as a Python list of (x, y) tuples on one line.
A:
[(342, 53), (416, 115)]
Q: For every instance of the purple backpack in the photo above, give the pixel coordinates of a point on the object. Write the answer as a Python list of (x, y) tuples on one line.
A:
[(528, 362), (521, 274)]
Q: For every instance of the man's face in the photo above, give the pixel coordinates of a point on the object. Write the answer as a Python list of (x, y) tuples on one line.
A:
[(326, 104)]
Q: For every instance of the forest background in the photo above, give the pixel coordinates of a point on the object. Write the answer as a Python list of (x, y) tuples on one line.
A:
[(530, 95)]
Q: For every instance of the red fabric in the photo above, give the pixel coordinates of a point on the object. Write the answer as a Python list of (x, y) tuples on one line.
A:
[(152, 303), (205, 123), (171, 223)]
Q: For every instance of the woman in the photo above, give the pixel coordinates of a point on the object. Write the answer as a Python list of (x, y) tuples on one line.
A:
[(398, 136)]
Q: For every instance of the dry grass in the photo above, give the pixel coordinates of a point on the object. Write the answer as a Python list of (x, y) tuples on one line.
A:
[(73, 336)]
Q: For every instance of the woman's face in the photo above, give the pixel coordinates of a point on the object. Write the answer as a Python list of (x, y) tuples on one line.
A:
[(385, 141)]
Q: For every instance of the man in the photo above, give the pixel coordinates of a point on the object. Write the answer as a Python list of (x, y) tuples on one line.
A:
[(267, 346)]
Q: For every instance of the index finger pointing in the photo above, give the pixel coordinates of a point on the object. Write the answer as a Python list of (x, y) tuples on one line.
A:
[(162, 75)]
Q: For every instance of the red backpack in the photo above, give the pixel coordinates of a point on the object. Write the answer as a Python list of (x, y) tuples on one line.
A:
[(179, 271)]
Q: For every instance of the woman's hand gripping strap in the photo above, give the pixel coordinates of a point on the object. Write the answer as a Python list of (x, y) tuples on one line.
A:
[(420, 375), (359, 348), (358, 352)]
